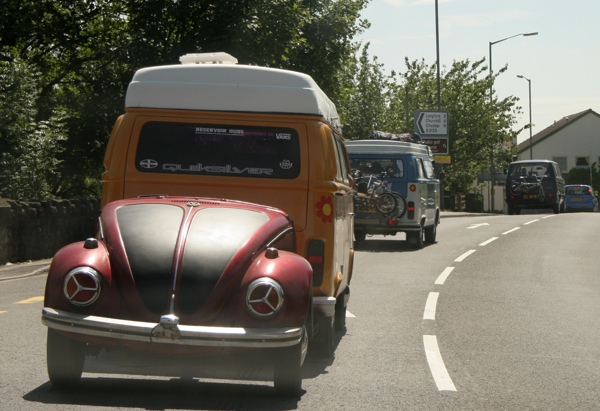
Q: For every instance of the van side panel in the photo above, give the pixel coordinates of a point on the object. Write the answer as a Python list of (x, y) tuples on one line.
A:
[(330, 197), (114, 160)]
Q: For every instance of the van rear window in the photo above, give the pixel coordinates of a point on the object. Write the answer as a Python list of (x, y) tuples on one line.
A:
[(219, 150), (375, 166)]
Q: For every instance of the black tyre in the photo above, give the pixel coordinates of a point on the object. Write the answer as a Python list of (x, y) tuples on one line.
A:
[(385, 203), (556, 208), (64, 358), (415, 238), (539, 190), (287, 376), (359, 236), (324, 339), (339, 321), (515, 188), (400, 205), (430, 233)]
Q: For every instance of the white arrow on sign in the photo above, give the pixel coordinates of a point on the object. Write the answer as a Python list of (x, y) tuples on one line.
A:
[(477, 225)]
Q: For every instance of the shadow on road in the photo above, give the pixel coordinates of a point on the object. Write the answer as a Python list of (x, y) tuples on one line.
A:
[(248, 385)]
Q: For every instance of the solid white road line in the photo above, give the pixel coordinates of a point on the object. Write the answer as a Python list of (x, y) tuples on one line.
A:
[(436, 364), (430, 305), (465, 255), (444, 275)]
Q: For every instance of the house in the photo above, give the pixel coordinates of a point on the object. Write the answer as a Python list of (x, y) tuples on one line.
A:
[(573, 141)]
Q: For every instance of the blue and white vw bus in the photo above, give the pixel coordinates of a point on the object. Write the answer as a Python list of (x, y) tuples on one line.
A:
[(409, 169)]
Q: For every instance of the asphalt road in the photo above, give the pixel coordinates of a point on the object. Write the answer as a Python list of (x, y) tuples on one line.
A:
[(500, 314)]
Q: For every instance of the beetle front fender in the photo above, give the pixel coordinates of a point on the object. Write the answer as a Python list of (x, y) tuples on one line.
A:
[(90, 253), (293, 273)]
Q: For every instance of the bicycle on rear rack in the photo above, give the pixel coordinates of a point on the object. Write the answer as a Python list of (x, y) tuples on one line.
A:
[(374, 192)]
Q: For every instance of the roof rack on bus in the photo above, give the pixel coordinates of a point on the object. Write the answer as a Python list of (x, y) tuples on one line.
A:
[(208, 58)]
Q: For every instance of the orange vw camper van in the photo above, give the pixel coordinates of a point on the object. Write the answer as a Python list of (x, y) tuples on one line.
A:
[(213, 128)]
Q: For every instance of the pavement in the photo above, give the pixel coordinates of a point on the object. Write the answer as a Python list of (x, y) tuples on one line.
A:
[(21, 270), (12, 271)]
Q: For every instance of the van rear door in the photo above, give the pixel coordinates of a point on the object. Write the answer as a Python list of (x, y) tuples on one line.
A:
[(254, 161)]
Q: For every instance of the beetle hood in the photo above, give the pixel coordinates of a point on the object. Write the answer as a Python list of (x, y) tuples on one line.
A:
[(177, 253)]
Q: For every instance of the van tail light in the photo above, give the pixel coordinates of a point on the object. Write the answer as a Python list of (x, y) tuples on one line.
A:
[(316, 258), (410, 210)]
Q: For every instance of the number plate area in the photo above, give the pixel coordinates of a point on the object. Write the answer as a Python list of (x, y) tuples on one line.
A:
[(531, 196)]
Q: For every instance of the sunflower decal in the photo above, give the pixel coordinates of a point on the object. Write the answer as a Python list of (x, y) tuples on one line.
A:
[(325, 209)]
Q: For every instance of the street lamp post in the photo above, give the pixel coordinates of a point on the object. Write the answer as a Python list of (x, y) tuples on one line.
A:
[(530, 123), (492, 166)]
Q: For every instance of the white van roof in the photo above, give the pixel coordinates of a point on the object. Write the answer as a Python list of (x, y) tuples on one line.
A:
[(386, 147), (213, 81)]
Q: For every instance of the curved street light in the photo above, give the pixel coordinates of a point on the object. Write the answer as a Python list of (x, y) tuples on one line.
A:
[(530, 124), (535, 33)]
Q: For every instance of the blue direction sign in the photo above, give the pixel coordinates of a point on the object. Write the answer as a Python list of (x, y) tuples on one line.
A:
[(431, 123)]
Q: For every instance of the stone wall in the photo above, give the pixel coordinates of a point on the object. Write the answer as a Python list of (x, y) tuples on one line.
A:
[(37, 230)]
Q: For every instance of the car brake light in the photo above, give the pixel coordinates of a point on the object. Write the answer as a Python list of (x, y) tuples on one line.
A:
[(316, 259), (410, 213)]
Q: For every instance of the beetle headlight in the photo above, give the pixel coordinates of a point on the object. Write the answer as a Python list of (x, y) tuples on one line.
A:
[(264, 297), (82, 286)]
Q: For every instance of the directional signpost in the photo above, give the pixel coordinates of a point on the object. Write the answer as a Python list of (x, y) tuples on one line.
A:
[(432, 126)]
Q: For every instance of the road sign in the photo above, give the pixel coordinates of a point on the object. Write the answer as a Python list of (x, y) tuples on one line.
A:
[(438, 145), (431, 123)]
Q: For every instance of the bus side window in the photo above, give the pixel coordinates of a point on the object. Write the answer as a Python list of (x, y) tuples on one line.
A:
[(343, 169), (420, 169), (429, 170)]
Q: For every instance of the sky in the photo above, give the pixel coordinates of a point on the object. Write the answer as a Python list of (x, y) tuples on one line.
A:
[(562, 60)]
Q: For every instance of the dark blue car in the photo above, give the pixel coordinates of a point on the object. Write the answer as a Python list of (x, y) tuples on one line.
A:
[(580, 197)]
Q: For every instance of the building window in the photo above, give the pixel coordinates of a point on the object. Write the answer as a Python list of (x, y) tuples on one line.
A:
[(582, 161), (561, 161)]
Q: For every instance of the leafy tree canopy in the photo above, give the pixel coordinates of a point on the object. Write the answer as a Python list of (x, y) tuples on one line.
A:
[(65, 66), (480, 127), (84, 53)]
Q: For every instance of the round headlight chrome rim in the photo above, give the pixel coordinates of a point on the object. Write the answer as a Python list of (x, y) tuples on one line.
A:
[(264, 297), (82, 286)]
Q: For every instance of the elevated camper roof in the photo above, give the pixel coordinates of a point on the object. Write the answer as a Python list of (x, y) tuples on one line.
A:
[(386, 147), (214, 81)]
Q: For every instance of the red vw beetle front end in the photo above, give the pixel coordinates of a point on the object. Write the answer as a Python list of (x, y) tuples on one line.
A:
[(180, 276)]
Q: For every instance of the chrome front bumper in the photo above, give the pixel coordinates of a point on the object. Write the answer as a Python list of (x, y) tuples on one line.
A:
[(168, 331)]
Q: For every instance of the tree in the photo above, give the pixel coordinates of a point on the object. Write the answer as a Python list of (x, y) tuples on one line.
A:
[(28, 148), (86, 51), (584, 175), (366, 105), (480, 128)]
